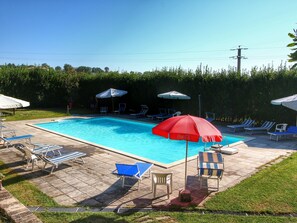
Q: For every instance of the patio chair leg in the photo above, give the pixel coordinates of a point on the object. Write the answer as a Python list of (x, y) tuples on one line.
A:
[(123, 181), (52, 170), (168, 191), (33, 162), (82, 160), (218, 184), (200, 179), (28, 162)]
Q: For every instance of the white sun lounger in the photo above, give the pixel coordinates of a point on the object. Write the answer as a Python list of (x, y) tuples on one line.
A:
[(224, 149), (57, 160), (4, 131), (46, 148)]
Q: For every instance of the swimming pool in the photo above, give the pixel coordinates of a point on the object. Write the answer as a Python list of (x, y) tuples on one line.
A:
[(132, 138)]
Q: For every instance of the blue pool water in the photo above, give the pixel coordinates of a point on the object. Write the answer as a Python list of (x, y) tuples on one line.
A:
[(128, 136)]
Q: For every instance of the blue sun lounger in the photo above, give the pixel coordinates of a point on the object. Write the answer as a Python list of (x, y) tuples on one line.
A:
[(142, 113), (163, 112), (210, 116), (134, 171), (245, 124), (291, 132), (7, 141), (266, 126)]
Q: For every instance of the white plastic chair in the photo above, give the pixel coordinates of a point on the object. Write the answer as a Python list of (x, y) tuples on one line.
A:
[(178, 113), (162, 179), (281, 127)]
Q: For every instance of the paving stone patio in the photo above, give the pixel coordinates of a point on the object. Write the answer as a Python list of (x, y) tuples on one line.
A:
[(93, 184)]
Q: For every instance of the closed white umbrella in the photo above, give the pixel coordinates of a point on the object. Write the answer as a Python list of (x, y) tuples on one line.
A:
[(289, 102), (7, 102), (174, 95)]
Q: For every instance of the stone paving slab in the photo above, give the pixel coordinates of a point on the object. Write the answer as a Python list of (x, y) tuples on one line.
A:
[(94, 184)]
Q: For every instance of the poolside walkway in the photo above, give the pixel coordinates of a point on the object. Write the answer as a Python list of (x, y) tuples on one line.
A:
[(93, 184)]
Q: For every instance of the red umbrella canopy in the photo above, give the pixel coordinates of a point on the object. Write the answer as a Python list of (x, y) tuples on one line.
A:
[(187, 127)]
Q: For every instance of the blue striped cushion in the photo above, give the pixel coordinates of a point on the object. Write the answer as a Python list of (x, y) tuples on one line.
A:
[(210, 157)]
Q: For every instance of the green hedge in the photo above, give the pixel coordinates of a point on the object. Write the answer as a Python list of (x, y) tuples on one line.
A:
[(231, 96)]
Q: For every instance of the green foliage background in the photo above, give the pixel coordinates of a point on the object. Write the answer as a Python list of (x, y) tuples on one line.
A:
[(231, 96), (293, 56)]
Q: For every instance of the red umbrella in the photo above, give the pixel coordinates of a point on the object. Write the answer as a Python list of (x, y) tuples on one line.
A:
[(189, 128)]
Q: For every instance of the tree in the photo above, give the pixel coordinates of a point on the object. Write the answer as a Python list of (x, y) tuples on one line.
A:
[(106, 69), (45, 65), (96, 70), (84, 69), (293, 56), (58, 68), (69, 69)]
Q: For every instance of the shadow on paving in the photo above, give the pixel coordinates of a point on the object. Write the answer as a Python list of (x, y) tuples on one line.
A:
[(198, 195), (112, 194), (129, 200)]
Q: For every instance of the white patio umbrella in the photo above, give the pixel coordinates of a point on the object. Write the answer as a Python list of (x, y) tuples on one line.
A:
[(174, 95), (289, 102), (111, 93), (7, 102)]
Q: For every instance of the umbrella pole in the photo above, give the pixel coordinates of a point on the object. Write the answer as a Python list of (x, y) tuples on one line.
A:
[(112, 104), (186, 162)]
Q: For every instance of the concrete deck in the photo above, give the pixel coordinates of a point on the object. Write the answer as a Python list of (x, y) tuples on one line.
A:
[(93, 184)]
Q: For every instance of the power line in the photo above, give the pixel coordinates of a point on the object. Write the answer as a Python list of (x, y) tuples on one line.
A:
[(239, 57)]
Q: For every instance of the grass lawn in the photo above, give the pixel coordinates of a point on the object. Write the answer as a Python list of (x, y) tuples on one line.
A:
[(26, 114), (272, 190)]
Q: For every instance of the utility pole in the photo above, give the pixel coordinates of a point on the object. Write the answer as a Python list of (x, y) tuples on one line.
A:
[(239, 57)]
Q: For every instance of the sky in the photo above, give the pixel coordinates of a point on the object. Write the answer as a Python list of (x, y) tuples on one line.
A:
[(144, 35)]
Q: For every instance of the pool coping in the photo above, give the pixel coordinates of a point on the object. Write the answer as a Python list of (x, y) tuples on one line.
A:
[(175, 163)]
